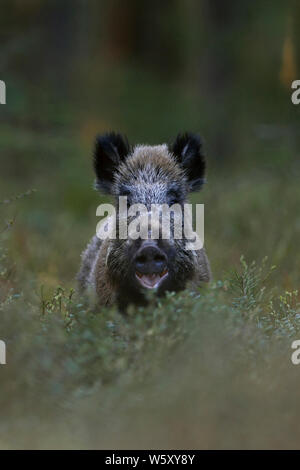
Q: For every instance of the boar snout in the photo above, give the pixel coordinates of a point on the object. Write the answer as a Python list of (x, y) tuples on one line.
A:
[(150, 265)]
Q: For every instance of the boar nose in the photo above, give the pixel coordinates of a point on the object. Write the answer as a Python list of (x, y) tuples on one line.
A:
[(150, 259)]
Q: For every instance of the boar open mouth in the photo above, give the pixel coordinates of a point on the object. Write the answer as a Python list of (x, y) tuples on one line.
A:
[(151, 280)]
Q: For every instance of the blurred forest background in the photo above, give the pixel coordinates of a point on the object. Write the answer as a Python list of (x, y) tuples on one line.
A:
[(150, 70), (75, 68)]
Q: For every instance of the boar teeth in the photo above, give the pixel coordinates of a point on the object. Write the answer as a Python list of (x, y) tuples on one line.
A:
[(153, 275), (151, 280)]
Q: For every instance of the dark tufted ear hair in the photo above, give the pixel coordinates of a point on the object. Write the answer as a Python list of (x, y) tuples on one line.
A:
[(188, 151), (110, 150)]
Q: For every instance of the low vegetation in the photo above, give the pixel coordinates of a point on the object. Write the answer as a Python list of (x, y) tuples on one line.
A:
[(178, 373)]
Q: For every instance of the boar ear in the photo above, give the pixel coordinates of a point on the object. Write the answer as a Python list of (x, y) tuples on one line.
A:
[(110, 150), (188, 151)]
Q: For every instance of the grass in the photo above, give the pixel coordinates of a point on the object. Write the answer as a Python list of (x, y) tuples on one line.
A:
[(209, 369), (175, 374)]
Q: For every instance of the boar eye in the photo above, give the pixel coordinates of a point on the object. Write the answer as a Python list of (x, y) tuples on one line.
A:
[(173, 197), (124, 191)]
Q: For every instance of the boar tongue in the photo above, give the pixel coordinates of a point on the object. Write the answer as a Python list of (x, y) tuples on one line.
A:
[(150, 280)]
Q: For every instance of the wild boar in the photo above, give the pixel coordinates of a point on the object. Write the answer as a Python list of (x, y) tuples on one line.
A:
[(122, 270)]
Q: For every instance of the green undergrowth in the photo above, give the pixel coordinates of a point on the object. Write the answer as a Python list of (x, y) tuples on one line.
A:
[(175, 374)]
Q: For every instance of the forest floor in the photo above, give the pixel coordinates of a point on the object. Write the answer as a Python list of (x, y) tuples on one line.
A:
[(205, 370)]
